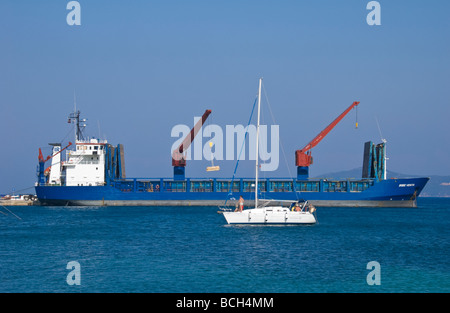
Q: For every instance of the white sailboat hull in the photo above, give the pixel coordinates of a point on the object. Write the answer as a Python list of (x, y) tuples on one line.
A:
[(269, 215)]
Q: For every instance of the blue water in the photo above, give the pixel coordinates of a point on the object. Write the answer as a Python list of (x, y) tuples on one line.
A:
[(160, 249)]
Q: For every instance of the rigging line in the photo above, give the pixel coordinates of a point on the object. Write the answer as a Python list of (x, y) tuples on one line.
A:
[(281, 144), (11, 212), (18, 191), (243, 142), (379, 129), (57, 163), (240, 152), (71, 130)]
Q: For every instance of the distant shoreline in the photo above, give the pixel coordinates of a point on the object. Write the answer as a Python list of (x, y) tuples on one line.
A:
[(16, 202)]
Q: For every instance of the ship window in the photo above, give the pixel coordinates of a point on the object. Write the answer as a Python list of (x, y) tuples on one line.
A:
[(95, 147), (90, 147)]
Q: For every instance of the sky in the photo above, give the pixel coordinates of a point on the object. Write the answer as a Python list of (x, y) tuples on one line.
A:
[(139, 68)]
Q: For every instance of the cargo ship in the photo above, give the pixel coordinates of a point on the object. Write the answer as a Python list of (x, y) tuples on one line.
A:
[(93, 174)]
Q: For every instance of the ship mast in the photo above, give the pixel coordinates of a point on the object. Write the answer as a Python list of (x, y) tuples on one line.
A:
[(75, 118), (257, 144)]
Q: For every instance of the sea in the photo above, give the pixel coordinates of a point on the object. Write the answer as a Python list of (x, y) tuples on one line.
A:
[(193, 250)]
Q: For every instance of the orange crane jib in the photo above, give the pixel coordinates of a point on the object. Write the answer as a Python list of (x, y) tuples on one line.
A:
[(303, 157), (177, 155), (41, 157)]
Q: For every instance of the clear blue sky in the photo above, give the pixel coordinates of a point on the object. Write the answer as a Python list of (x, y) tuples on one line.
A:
[(141, 67)]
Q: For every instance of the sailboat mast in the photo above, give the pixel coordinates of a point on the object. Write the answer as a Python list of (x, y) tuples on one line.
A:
[(257, 145)]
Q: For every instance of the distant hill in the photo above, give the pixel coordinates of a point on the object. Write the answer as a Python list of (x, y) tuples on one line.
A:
[(437, 186)]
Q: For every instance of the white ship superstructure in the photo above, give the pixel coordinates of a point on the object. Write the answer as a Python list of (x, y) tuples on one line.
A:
[(55, 169), (85, 166)]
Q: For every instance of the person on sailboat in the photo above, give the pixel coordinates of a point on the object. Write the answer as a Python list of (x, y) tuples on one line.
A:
[(240, 208)]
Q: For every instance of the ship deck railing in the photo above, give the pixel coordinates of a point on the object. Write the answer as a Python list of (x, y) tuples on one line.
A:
[(240, 185)]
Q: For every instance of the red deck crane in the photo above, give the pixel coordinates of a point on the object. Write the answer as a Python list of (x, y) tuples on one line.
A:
[(178, 157), (41, 168), (303, 158), (41, 157)]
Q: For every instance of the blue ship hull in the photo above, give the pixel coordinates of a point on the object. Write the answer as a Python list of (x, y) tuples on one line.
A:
[(401, 192)]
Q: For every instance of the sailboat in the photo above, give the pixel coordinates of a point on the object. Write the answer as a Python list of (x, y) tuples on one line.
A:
[(298, 213)]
